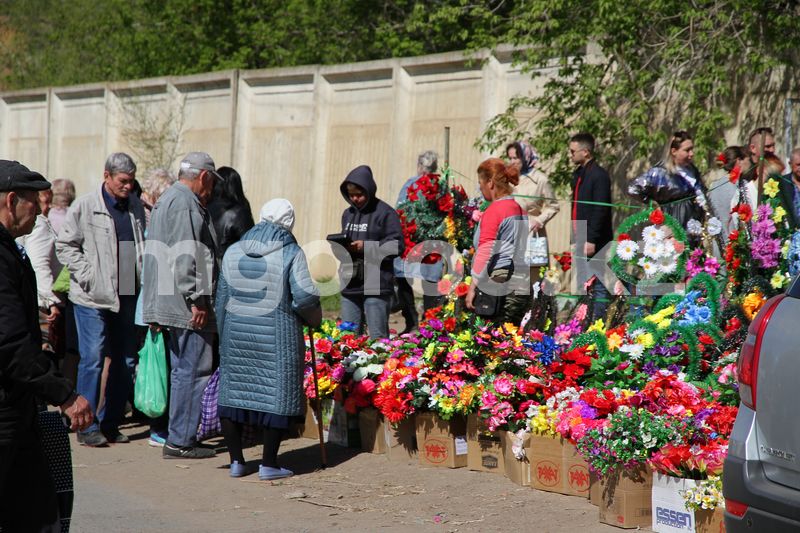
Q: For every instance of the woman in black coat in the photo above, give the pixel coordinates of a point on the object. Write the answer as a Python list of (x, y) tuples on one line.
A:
[(229, 209)]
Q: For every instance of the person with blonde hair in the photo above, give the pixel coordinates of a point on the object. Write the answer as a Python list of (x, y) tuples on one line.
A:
[(63, 196), (153, 186)]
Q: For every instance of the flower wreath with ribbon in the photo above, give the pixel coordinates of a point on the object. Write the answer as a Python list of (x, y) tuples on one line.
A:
[(658, 256)]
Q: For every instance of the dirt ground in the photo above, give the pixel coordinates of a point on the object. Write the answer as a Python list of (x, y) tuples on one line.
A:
[(130, 487)]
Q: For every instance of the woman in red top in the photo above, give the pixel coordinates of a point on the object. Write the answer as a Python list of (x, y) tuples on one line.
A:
[(499, 243)]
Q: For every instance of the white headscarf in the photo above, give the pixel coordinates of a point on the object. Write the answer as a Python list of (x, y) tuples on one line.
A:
[(278, 211)]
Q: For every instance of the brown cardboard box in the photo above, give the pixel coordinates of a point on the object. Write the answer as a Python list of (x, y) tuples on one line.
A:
[(442, 443), (310, 428), (547, 463), (371, 426), (484, 450), (707, 521), (338, 426), (401, 440), (576, 472), (626, 498), (594, 489), (517, 470)]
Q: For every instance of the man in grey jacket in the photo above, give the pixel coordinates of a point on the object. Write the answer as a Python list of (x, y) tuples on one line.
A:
[(101, 243), (180, 271)]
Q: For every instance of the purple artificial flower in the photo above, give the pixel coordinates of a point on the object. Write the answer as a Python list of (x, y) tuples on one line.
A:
[(425, 332), (436, 324), (649, 368), (675, 369)]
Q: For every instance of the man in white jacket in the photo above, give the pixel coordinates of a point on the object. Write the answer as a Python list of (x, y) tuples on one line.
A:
[(101, 244)]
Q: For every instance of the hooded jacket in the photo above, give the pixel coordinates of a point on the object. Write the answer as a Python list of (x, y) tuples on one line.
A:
[(264, 292), (378, 225)]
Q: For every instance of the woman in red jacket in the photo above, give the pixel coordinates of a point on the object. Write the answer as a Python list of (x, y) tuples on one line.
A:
[(500, 246)]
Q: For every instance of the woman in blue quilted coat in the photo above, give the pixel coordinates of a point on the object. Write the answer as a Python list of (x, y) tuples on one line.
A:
[(264, 296)]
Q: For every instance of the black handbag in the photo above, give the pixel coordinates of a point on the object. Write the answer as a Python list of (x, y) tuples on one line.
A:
[(487, 305)]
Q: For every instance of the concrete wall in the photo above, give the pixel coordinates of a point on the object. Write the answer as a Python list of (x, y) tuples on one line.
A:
[(292, 132)]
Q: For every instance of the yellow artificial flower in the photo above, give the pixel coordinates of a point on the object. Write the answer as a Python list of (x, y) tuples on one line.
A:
[(464, 336), (752, 304), (450, 307), (428, 355), (446, 403), (664, 324), (548, 324), (646, 340), (771, 188), (614, 341), (598, 326), (777, 280), (778, 215)]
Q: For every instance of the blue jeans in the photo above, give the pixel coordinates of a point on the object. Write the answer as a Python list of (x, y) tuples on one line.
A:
[(191, 356), (103, 333), (376, 310)]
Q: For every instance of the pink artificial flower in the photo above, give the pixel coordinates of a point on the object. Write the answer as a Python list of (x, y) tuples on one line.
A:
[(488, 400), (503, 386)]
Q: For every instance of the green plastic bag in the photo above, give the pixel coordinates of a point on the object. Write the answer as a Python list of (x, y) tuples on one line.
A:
[(150, 391)]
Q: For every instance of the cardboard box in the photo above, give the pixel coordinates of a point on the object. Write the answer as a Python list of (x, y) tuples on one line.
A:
[(594, 489), (556, 466), (441, 443), (626, 498), (484, 449), (516, 469), (401, 440), (576, 472), (670, 514), (338, 426), (371, 427), (709, 521)]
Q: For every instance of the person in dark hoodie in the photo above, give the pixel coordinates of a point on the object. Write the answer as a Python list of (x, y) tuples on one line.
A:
[(373, 228)]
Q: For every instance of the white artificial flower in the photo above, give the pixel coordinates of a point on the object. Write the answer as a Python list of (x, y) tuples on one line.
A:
[(714, 226), (626, 250), (668, 248), (634, 351), (667, 265), (652, 233), (694, 227), (650, 268), (653, 249)]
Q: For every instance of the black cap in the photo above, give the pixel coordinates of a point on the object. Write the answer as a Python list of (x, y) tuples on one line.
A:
[(15, 176)]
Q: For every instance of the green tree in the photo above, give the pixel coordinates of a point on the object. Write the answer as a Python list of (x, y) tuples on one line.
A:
[(632, 72)]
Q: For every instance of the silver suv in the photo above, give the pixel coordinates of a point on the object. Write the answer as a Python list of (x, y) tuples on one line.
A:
[(761, 481)]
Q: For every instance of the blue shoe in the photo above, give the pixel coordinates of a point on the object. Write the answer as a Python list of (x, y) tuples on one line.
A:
[(157, 440), (267, 473), (238, 469)]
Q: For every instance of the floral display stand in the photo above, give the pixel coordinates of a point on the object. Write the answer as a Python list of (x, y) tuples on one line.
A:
[(378, 436), (710, 521), (401, 440), (484, 449), (442, 443), (371, 428), (626, 498)]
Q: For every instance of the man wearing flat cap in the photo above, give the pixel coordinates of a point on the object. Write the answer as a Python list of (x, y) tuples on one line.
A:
[(101, 243), (27, 374), (180, 271)]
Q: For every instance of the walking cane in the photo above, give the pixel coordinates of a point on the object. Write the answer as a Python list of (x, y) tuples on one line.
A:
[(318, 402)]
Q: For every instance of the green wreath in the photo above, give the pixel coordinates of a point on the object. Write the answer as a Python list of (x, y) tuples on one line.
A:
[(648, 216)]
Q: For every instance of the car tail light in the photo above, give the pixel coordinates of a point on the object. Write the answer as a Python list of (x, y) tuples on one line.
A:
[(747, 366), (737, 509)]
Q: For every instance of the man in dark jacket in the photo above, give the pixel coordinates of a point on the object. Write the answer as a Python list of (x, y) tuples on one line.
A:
[(591, 183), (789, 190), (27, 374), (373, 228)]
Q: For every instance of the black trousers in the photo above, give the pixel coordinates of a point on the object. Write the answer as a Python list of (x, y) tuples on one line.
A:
[(27, 493), (408, 308)]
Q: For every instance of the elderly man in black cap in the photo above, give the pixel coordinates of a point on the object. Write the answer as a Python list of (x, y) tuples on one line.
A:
[(180, 270), (27, 374)]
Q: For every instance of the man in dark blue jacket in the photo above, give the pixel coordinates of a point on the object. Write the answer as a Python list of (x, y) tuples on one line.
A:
[(376, 238)]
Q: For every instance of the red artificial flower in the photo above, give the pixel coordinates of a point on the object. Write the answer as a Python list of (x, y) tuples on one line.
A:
[(446, 203), (412, 194), (657, 216), (623, 237), (734, 175), (433, 312), (565, 260), (323, 346), (450, 324), (745, 212), (462, 289)]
